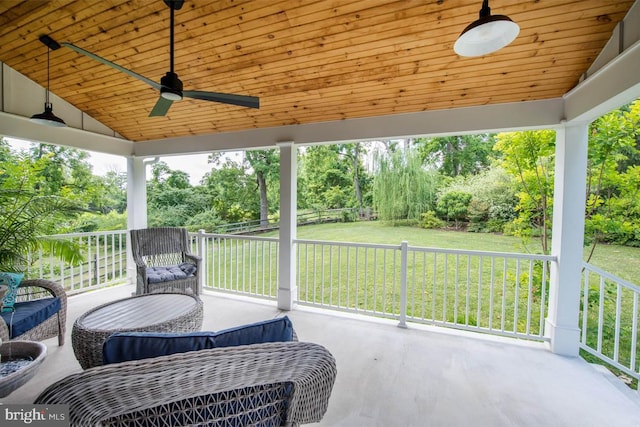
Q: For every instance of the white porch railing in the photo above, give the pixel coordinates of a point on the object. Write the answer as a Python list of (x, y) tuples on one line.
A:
[(105, 262), (609, 320), (496, 293), (492, 292), (245, 265)]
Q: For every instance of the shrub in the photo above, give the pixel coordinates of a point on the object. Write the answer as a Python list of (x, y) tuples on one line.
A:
[(454, 205), (430, 220), (207, 220), (348, 215)]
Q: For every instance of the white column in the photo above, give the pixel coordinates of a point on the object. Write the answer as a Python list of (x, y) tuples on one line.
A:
[(567, 238), (287, 288), (136, 205)]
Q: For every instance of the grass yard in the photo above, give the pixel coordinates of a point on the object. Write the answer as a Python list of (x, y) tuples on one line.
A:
[(621, 261), (455, 296)]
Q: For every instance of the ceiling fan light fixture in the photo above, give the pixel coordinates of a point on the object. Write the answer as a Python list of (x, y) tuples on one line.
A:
[(171, 87), (167, 93), (47, 117), (487, 34)]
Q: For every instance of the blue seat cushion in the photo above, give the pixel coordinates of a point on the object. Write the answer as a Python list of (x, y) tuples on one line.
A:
[(29, 314), (125, 346), (170, 272)]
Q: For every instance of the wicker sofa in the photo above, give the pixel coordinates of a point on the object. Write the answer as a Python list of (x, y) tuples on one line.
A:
[(270, 384), (34, 290)]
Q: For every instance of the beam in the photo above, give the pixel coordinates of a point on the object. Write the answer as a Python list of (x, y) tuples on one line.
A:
[(487, 118), (613, 79), (15, 126), (615, 84)]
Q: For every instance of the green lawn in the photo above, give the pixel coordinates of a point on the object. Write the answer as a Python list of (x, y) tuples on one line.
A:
[(621, 261)]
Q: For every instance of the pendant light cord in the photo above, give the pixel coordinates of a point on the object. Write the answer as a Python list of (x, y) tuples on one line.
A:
[(47, 94)]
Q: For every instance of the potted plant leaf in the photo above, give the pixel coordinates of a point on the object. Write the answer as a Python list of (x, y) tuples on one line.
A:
[(28, 218)]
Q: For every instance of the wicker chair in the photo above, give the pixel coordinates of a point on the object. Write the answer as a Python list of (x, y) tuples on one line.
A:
[(162, 247), (55, 325), (272, 384)]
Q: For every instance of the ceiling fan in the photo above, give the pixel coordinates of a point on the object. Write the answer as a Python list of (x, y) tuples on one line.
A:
[(170, 86)]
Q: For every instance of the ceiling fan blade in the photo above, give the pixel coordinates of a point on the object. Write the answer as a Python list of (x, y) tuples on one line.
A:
[(112, 65), (225, 98), (161, 107)]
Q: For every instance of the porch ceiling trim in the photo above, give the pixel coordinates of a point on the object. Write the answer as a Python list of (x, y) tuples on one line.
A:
[(615, 84), (486, 118), (21, 127)]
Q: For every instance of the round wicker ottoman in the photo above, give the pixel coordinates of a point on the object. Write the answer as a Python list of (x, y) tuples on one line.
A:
[(143, 313)]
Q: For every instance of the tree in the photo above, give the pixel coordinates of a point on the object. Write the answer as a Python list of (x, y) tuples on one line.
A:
[(402, 188), (5, 150), (454, 205), (332, 176), (529, 157), (114, 192), (171, 200), (493, 199), (352, 153), (229, 186), (324, 178), (63, 171), (613, 180), (457, 155), (28, 216), (266, 166)]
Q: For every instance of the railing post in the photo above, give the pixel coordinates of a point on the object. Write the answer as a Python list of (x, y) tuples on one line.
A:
[(404, 254), (201, 243)]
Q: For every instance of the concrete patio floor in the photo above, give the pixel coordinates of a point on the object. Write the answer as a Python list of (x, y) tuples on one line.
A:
[(420, 376)]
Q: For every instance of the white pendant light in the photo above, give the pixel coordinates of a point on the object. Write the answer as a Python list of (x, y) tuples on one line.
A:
[(486, 35), (47, 117)]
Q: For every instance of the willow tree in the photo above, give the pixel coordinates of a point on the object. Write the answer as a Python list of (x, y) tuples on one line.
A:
[(402, 188)]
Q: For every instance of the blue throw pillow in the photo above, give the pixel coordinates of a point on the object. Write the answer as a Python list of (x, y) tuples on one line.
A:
[(188, 268), (12, 281), (125, 346), (275, 330)]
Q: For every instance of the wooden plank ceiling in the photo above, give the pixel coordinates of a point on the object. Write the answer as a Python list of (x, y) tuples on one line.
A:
[(308, 60)]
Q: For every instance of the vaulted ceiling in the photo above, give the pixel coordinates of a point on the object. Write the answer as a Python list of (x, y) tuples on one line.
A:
[(309, 61)]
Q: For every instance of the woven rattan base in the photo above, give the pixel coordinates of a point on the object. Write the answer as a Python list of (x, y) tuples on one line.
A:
[(148, 313)]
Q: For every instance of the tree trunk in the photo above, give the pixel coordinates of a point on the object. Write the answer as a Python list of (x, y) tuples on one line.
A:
[(264, 203), (356, 178)]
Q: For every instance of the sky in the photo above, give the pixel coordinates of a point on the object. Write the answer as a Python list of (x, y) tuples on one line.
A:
[(194, 165)]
